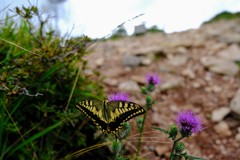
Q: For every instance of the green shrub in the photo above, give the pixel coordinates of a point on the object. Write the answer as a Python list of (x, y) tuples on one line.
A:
[(224, 16), (41, 80), (119, 33), (155, 29)]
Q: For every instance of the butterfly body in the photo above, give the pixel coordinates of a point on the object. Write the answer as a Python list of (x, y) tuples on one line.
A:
[(110, 116)]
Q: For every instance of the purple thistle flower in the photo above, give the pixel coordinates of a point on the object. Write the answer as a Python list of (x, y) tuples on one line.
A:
[(189, 123), (152, 79), (118, 96)]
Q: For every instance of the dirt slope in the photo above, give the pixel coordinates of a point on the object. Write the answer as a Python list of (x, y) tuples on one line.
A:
[(198, 71)]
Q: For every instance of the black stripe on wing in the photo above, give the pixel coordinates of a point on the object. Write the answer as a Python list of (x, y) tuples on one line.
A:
[(129, 110), (82, 106)]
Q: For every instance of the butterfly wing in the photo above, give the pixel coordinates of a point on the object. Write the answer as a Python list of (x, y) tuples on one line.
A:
[(121, 111), (94, 110)]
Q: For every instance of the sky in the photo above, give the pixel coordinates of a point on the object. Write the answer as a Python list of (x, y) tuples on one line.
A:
[(98, 19)]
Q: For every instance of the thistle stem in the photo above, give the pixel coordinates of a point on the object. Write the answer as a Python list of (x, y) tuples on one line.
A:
[(140, 137), (173, 147)]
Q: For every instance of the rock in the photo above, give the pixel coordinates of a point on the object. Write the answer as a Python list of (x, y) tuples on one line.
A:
[(155, 119), (171, 84), (131, 61), (188, 73), (222, 129), (208, 76), (232, 121), (196, 85), (235, 103), (226, 67), (129, 86), (99, 62), (220, 113), (166, 69), (139, 79), (237, 137), (178, 60), (213, 89), (174, 108), (161, 149), (114, 72), (111, 82), (181, 50), (214, 48), (88, 72), (230, 38), (146, 61), (231, 53), (151, 147), (216, 89), (219, 65)]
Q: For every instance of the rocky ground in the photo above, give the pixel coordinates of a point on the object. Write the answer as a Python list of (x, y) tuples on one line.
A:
[(198, 71)]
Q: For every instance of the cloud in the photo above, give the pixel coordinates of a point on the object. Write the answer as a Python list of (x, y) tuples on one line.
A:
[(99, 18), (175, 15)]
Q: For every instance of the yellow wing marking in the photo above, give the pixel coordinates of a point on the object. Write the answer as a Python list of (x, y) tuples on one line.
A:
[(109, 116)]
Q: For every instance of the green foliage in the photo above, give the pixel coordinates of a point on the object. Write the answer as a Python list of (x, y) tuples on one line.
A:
[(120, 33), (224, 16), (116, 147), (238, 63), (155, 29), (41, 79)]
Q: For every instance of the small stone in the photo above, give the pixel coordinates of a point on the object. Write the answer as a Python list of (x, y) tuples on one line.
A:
[(151, 148), (178, 60), (237, 137), (222, 129), (208, 76), (181, 50), (139, 79), (171, 84), (235, 103), (220, 113), (146, 61), (221, 66), (218, 142), (196, 85), (161, 149), (230, 38), (231, 53), (113, 72), (217, 47), (131, 61), (208, 89), (174, 108), (188, 73), (99, 62), (129, 86), (166, 69), (155, 118), (216, 89), (88, 72), (111, 82), (223, 150), (232, 121)]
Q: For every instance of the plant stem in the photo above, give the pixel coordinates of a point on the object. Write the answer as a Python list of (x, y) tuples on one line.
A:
[(140, 137), (173, 147)]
